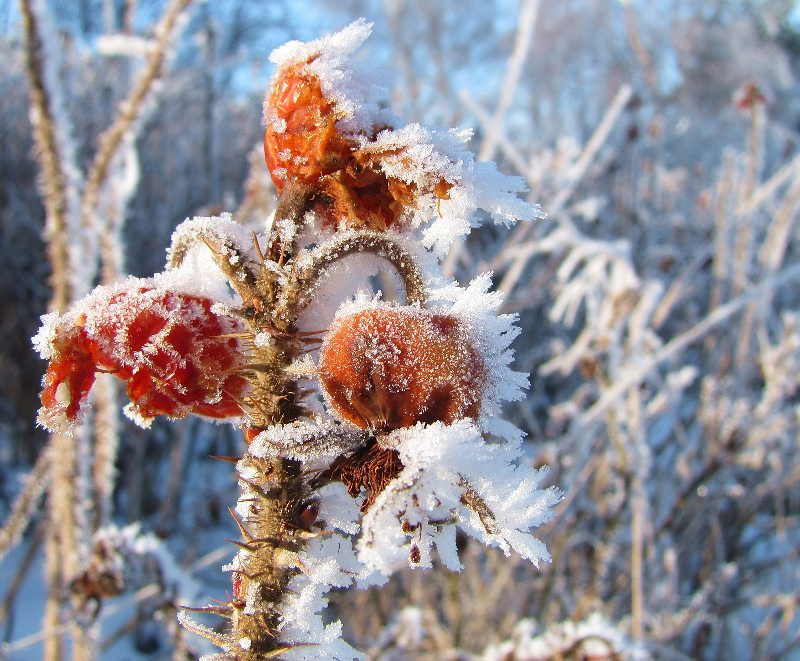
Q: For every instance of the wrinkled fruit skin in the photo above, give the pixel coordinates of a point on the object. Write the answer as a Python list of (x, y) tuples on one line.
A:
[(301, 142), (384, 368), (305, 149), (167, 346)]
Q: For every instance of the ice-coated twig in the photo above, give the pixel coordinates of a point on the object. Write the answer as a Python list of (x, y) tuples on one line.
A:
[(25, 504), (130, 110), (60, 181), (631, 378), (526, 24), (562, 196), (306, 441)]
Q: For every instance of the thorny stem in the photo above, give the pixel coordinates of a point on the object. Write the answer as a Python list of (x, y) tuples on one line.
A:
[(272, 513)]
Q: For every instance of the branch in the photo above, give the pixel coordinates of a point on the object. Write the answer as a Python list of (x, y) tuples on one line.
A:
[(25, 504), (676, 345), (131, 109), (44, 110), (527, 22)]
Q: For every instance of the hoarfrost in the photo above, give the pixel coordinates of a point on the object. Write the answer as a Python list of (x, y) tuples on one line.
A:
[(426, 158), (191, 266), (355, 86), (327, 562), (451, 476), (137, 558), (492, 334)]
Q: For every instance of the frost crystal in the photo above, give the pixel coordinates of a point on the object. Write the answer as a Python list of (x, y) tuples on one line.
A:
[(423, 157), (453, 477), (354, 86)]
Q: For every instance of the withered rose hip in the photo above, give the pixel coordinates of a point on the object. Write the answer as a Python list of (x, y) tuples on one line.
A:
[(305, 150), (301, 142), (175, 354), (385, 367)]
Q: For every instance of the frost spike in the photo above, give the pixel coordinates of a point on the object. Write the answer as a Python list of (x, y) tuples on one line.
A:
[(220, 640)]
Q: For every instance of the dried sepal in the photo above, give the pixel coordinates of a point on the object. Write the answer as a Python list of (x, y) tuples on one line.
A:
[(369, 469)]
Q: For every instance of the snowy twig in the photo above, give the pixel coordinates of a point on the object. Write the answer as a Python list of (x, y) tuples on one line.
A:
[(25, 504), (632, 378), (131, 109), (53, 140), (514, 252), (526, 24)]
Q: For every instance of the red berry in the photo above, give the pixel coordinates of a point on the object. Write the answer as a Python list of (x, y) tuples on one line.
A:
[(307, 514), (170, 348), (388, 367)]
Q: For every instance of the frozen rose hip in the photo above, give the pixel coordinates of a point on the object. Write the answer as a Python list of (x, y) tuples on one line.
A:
[(301, 142), (343, 180), (175, 354), (386, 367)]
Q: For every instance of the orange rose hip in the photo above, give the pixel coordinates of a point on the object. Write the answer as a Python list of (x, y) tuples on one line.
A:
[(386, 367), (301, 142)]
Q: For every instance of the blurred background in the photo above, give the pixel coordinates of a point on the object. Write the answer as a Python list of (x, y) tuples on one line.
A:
[(658, 302)]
